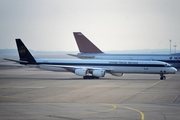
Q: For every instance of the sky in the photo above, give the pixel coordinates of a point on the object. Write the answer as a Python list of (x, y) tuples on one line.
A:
[(48, 25)]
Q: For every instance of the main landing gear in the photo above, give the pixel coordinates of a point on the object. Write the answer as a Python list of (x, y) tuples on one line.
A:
[(90, 77), (162, 77)]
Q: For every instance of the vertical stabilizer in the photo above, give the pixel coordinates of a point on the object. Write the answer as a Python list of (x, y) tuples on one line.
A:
[(24, 53), (84, 44)]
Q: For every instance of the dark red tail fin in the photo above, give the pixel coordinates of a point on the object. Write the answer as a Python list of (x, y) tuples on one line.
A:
[(84, 44)]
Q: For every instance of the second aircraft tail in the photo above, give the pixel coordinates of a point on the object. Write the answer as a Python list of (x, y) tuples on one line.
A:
[(84, 44)]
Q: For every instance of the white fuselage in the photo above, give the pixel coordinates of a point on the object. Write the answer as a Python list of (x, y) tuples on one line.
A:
[(173, 59), (115, 66)]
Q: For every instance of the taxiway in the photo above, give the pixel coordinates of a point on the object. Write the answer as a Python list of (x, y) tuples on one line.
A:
[(28, 93)]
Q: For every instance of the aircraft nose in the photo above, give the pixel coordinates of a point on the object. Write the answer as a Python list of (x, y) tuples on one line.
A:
[(175, 70)]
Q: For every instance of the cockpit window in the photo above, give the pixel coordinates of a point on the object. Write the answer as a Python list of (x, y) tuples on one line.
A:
[(168, 65)]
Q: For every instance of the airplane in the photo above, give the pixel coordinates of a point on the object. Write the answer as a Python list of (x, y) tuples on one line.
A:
[(90, 51), (92, 69)]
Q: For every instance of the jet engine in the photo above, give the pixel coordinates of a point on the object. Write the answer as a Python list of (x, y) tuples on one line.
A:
[(117, 74), (98, 73), (80, 72)]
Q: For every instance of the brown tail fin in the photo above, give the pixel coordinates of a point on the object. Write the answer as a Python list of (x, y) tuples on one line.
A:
[(84, 44)]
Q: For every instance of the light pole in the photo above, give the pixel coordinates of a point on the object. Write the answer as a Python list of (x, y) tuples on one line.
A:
[(170, 45), (175, 48)]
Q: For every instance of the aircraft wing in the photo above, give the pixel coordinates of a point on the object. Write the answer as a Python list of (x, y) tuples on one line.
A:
[(72, 68)]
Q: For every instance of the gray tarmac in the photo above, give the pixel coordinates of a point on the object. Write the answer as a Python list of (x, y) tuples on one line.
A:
[(32, 94)]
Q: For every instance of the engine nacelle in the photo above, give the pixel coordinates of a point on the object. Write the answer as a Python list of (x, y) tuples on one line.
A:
[(98, 73), (80, 72), (117, 74)]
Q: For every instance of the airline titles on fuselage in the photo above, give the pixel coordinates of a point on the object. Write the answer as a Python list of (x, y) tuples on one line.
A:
[(122, 62)]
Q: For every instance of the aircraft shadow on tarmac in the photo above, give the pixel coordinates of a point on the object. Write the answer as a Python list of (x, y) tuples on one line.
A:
[(79, 79)]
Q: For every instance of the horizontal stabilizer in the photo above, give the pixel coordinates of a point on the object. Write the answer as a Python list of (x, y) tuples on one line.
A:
[(82, 57), (18, 61)]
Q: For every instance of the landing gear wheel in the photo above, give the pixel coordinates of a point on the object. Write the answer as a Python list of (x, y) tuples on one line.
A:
[(162, 77), (90, 77)]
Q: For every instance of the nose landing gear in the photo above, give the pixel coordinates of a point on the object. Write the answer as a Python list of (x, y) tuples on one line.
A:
[(162, 77)]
